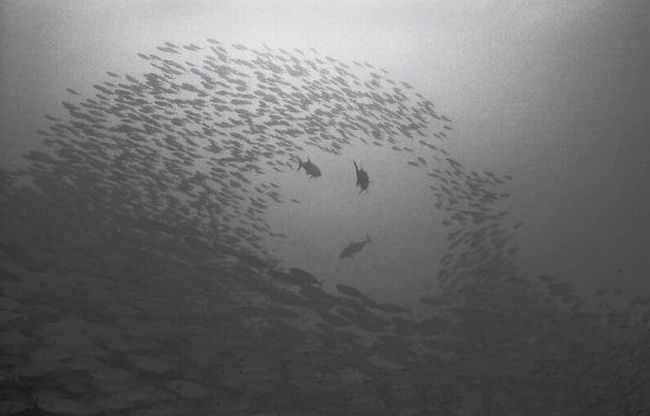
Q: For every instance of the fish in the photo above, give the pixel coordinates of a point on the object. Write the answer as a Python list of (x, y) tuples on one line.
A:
[(362, 178), (286, 278), (353, 248), (305, 277), (390, 308), (280, 333), (310, 168), (350, 291)]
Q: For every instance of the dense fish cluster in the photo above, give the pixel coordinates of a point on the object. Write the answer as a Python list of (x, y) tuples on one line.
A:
[(134, 278)]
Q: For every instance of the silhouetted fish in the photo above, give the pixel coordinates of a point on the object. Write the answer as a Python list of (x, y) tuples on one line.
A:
[(126, 171), (362, 178), (350, 291), (304, 276), (353, 248), (287, 278), (312, 170)]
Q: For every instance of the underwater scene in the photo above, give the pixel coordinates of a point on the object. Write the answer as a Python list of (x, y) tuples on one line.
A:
[(259, 229)]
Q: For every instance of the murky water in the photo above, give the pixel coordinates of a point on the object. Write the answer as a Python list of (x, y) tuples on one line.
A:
[(163, 254)]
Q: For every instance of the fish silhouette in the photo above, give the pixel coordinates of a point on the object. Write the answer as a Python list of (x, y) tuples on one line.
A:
[(310, 168), (362, 178), (353, 248)]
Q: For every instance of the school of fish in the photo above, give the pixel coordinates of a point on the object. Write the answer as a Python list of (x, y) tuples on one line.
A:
[(135, 280)]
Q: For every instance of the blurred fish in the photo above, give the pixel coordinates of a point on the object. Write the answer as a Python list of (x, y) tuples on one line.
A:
[(310, 168), (286, 278), (350, 291), (304, 276), (125, 180), (362, 178), (390, 308), (353, 248)]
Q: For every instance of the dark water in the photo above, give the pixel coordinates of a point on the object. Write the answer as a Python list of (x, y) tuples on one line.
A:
[(141, 275)]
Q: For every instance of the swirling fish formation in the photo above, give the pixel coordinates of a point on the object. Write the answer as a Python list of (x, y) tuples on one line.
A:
[(135, 281)]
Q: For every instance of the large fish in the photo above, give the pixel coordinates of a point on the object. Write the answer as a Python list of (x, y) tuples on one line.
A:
[(312, 170), (362, 178), (353, 248)]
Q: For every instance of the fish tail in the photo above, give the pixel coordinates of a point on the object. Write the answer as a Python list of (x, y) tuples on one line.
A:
[(356, 168), (299, 162)]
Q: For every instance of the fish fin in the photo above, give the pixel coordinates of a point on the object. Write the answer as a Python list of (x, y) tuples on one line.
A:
[(368, 238), (299, 162)]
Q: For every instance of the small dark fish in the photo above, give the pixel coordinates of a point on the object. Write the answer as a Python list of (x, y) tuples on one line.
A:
[(350, 291), (353, 248), (390, 308), (312, 170), (286, 278), (167, 49), (362, 178), (304, 276)]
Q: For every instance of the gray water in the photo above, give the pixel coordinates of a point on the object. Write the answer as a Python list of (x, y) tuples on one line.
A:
[(166, 250)]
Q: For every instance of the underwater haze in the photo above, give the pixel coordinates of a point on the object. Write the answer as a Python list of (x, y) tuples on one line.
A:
[(324, 208)]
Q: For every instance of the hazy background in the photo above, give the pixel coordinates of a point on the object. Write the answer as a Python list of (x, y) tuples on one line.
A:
[(555, 93)]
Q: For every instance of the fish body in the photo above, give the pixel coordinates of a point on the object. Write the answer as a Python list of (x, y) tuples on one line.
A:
[(350, 291), (306, 278), (296, 277), (353, 248), (362, 178), (310, 168)]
